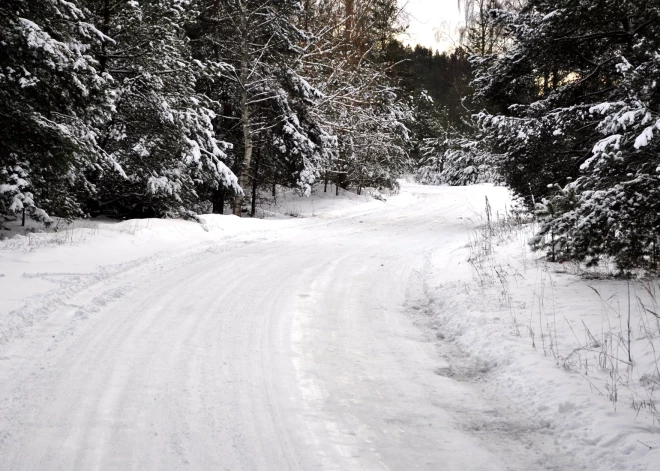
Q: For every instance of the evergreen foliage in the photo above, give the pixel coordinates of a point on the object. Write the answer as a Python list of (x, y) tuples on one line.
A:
[(574, 112), (445, 145), (161, 128), (53, 99), (456, 161)]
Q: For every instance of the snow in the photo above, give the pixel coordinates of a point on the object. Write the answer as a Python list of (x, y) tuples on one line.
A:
[(610, 141), (552, 14), (337, 333), (319, 203), (557, 343), (644, 138)]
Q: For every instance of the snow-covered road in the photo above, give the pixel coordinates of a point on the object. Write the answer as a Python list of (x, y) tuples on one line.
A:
[(303, 347)]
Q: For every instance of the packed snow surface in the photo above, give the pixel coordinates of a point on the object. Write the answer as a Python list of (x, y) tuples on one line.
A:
[(353, 338)]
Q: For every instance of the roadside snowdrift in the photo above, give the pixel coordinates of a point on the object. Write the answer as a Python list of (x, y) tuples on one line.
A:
[(557, 344)]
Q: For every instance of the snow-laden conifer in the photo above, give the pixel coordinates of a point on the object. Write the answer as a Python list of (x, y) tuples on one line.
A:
[(161, 130), (53, 98), (577, 126)]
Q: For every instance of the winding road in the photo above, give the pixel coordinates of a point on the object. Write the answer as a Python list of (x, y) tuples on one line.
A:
[(304, 348)]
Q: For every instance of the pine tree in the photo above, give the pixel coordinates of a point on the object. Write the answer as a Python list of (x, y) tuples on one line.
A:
[(456, 161), (53, 98), (577, 96), (161, 129)]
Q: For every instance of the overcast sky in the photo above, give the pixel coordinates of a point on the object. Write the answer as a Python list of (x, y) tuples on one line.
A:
[(429, 16)]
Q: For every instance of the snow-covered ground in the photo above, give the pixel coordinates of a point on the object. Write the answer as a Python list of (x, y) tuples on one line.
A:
[(580, 353), (355, 335)]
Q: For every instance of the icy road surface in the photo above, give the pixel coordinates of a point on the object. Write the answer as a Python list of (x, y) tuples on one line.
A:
[(297, 348)]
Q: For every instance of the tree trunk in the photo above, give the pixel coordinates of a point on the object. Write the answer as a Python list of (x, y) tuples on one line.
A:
[(244, 173), (219, 200), (105, 28), (308, 13), (349, 5), (255, 184)]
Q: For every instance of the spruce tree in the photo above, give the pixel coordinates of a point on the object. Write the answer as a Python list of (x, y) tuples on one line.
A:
[(161, 129), (576, 109), (53, 99)]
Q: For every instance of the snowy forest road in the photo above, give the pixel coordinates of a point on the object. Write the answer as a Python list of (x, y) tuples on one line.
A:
[(299, 350)]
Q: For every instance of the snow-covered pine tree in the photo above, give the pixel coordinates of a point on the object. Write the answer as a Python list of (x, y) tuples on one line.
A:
[(300, 143), (456, 161), (265, 97), (578, 98), (53, 97), (429, 120), (448, 154), (161, 130)]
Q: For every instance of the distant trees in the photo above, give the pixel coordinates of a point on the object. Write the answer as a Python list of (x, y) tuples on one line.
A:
[(480, 34), (456, 161), (446, 145), (457, 153), (434, 86)]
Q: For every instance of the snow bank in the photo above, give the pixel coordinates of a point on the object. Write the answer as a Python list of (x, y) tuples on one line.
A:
[(557, 344)]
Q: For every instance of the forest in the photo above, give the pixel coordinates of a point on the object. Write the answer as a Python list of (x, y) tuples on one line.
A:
[(174, 108)]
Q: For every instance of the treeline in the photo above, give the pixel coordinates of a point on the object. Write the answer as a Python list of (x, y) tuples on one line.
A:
[(179, 107)]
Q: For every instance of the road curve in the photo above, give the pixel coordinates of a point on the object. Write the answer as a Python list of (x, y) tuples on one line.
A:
[(300, 351)]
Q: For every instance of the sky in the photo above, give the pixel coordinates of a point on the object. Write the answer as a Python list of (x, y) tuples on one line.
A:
[(428, 17)]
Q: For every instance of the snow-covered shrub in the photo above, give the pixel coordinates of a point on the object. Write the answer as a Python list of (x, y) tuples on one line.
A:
[(15, 197)]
